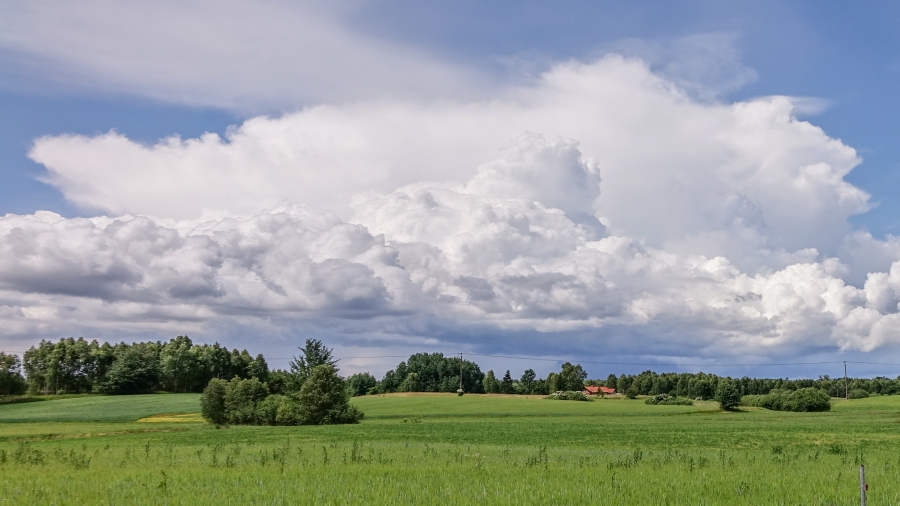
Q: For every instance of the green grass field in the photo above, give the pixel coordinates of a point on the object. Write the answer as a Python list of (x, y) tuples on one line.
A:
[(443, 448)]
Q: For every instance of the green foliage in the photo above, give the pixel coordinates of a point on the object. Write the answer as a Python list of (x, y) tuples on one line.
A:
[(212, 402), (77, 366), (134, 371), (506, 384), (490, 383), (804, 399), (527, 382), (858, 393), (569, 396), (242, 398), (411, 383), (727, 395), (669, 400), (807, 399), (312, 355), (553, 383), (11, 380), (435, 373), (267, 410), (572, 377), (360, 384), (323, 399)]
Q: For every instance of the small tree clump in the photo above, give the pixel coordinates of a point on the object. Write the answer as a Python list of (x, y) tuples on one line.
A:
[(727, 395), (212, 402), (669, 400), (242, 398), (569, 396), (323, 399)]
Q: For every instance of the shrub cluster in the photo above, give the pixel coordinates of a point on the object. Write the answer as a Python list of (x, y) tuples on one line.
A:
[(322, 400), (803, 399), (858, 393), (669, 400), (569, 396)]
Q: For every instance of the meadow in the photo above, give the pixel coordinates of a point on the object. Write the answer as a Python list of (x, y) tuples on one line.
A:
[(428, 448)]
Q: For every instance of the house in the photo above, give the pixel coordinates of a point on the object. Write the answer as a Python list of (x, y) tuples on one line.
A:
[(593, 390)]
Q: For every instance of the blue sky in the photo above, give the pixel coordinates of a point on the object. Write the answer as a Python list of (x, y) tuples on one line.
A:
[(846, 55), (262, 73)]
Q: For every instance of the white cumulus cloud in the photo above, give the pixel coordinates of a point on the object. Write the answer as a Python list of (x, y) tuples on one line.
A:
[(602, 203)]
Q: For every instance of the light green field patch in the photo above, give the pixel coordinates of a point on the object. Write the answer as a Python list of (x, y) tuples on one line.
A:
[(173, 418), (100, 408)]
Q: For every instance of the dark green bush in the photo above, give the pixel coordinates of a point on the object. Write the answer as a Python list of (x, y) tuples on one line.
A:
[(807, 399), (669, 400), (241, 400), (727, 394), (858, 393), (267, 410), (323, 399), (755, 401), (212, 402), (804, 399)]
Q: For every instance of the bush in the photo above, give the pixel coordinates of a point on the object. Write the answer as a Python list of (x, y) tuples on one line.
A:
[(241, 400), (323, 400), (360, 384), (858, 393), (267, 410), (727, 394), (755, 401), (804, 399), (569, 396), (212, 402), (807, 399), (669, 400), (288, 411)]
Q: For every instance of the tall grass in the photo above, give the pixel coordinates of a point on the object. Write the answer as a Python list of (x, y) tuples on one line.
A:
[(526, 452)]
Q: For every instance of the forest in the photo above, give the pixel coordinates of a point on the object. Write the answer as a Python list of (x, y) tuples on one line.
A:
[(72, 366)]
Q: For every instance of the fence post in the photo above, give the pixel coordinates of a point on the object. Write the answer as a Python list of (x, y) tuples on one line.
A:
[(862, 485)]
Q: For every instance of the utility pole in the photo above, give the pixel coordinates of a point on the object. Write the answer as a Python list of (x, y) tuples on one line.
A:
[(460, 370), (846, 385)]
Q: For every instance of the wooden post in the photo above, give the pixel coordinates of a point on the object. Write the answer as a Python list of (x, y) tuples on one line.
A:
[(862, 485)]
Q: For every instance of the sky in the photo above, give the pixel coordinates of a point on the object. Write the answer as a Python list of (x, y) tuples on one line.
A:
[(682, 186)]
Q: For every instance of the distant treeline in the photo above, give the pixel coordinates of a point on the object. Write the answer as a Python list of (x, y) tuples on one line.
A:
[(76, 366), (436, 373)]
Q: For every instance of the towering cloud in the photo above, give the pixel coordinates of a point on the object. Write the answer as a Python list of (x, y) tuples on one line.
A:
[(602, 197)]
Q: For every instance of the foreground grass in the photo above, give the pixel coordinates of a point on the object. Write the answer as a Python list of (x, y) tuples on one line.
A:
[(474, 449)]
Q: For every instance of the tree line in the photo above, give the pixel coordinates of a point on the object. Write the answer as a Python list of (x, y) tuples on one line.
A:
[(436, 373), (80, 366), (72, 366)]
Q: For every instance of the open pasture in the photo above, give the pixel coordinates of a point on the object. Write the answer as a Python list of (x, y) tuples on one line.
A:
[(461, 450)]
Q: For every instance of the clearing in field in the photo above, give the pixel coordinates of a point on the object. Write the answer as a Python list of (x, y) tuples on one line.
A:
[(473, 449)]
